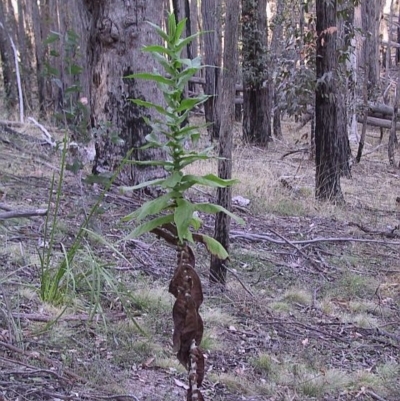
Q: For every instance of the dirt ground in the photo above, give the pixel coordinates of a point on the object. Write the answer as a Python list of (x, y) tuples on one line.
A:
[(311, 309)]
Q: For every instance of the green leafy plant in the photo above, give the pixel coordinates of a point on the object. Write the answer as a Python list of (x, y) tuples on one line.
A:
[(172, 209), (73, 114)]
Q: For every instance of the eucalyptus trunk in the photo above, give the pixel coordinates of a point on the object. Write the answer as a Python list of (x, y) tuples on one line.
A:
[(211, 15), (118, 32), (327, 141), (224, 195), (256, 102)]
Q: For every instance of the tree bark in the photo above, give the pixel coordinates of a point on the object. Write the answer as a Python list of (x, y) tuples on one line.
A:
[(342, 93), (327, 158), (7, 61), (211, 14), (371, 22), (224, 195), (118, 32), (256, 104), (276, 51)]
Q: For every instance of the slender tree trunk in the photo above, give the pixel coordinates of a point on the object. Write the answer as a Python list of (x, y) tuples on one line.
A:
[(364, 124), (392, 136), (327, 147), (276, 51), (256, 102), (224, 195), (398, 39), (211, 14), (371, 22), (7, 61), (25, 65), (117, 34), (39, 56), (342, 93)]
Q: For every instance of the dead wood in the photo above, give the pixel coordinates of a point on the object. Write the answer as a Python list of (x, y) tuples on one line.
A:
[(378, 122), (387, 234), (260, 237), (37, 355), (23, 213)]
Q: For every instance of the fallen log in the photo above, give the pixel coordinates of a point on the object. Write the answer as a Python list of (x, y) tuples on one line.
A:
[(380, 108), (378, 122)]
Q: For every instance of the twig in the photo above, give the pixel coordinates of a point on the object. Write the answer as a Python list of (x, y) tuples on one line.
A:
[(238, 279), (259, 237), (82, 317), (295, 151), (374, 395), (386, 234), (46, 133), (23, 213), (295, 247), (36, 355)]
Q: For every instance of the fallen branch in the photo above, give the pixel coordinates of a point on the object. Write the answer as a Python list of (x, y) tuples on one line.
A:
[(238, 279), (387, 234), (37, 355), (259, 237), (22, 213), (81, 317), (46, 134), (305, 256)]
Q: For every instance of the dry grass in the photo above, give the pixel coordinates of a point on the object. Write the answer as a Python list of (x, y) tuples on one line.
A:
[(308, 332)]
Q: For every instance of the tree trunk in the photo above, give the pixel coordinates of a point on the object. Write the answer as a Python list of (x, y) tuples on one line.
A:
[(256, 110), (371, 22), (224, 195), (342, 93), (392, 136), (117, 34), (7, 61), (25, 56), (39, 56), (327, 158), (276, 51), (211, 14)]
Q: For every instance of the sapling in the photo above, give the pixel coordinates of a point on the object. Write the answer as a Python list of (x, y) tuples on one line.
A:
[(172, 215)]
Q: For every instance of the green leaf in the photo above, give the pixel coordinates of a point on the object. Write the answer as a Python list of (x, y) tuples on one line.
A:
[(211, 208), (159, 31), (148, 76), (183, 216), (51, 38), (179, 29), (150, 225), (172, 180), (150, 105), (185, 76), (183, 42), (209, 180), (152, 138), (142, 185), (151, 163), (150, 208), (75, 69), (103, 179), (214, 247), (196, 222), (164, 62), (171, 26), (157, 50), (189, 103), (186, 160)]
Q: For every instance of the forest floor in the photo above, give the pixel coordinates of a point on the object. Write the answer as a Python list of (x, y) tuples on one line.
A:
[(311, 310)]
